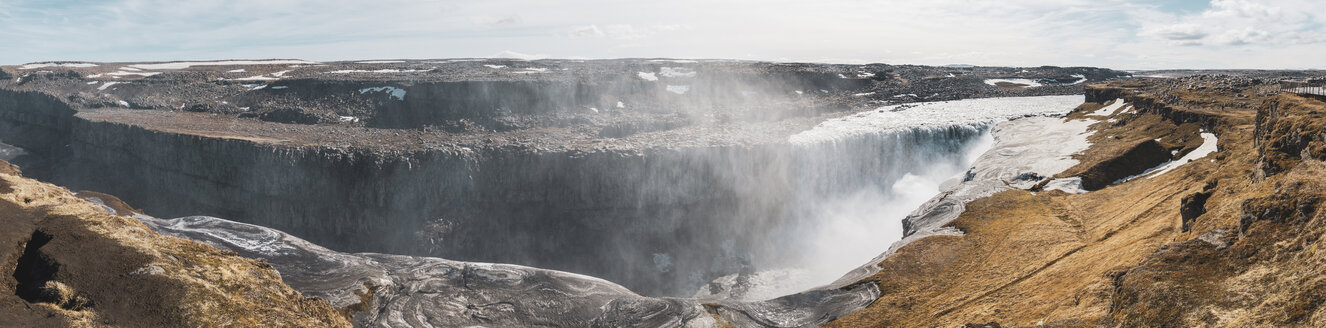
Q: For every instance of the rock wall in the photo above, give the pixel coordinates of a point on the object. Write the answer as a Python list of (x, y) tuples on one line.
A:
[(661, 221)]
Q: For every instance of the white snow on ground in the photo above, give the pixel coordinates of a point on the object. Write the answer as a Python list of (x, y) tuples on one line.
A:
[(236, 71), (676, 72), (913, 95), (1208, 146), (347, 71), (256, 78), (621, 105), (679, 89), (123, 73), (349, 119), (128, 68), (1107, 110), (1028, 82), (107, 85), (395, 93), (183, 65), (862, 94), (44, 65), (93, 76), (1071, 185), (647, 76), (124, 103), (380, 62), (532, 70), (281, 73), (93, 82), (1080, 78), (676, 61), (495, 66), (945, 113), (865, 75)]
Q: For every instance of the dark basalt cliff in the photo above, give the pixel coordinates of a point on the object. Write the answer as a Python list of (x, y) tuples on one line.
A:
[(616, 162)]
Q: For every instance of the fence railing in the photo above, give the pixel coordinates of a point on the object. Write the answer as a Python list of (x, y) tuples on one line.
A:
[(1311, 86)]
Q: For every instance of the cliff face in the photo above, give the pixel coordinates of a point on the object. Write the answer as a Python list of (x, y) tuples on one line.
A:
[(641, 169), (69, 262), (1229, 238)]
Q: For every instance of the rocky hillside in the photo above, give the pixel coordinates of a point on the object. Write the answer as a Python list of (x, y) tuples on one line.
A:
[(1225, 239), (72, 263)]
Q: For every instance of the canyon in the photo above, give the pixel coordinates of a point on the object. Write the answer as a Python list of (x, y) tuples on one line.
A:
[(714, 192)]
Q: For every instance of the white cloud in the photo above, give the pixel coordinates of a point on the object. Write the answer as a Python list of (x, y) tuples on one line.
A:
[(1242, 23)]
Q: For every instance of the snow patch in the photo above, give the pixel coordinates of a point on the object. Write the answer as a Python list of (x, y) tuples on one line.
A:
[(1029, 83), (347, 71), (236, 71), (1107, 110), (123, 73), (183, 65), (107, 85), (1080, 78), (349, 119), (676, 72), (44, 65), (862, 94), (495, 66), (1208, 146), (1071, 185), (647, 76), (125, 104), (380, 62), (967, 112)]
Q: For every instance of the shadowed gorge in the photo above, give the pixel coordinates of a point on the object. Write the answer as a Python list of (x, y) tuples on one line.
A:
[(674, 193)]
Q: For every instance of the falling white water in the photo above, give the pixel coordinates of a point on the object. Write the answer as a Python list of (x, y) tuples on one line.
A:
[(846, 222)]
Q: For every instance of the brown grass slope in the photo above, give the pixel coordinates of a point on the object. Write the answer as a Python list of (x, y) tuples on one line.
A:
[(66, 262), (1249, 254)]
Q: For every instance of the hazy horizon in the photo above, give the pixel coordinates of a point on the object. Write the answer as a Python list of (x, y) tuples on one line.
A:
[(1120, 34)]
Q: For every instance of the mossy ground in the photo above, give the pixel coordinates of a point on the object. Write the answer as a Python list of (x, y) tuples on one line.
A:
[(1118, 257)]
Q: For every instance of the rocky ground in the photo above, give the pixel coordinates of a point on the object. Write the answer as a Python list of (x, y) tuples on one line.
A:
[(543, 104), (72, 263), (1226, 240)]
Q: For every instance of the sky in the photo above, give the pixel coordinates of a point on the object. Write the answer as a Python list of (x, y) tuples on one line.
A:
[(1121, 34)]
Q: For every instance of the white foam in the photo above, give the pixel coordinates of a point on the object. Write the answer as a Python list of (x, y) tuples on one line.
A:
[(183, 65)]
